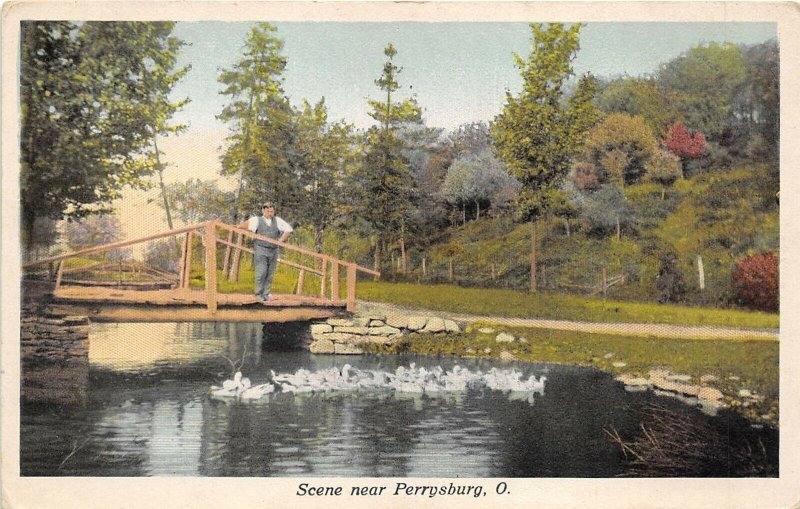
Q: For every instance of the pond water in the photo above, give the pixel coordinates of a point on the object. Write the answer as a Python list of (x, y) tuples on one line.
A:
[(147, 410)]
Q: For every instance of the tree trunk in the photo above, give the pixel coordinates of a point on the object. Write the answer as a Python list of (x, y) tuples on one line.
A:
[(533, 255), (319, 232), (464, 214), (477, 210), (403, 259), (161, 182), (378, 254), (619, 230), (566, 225)]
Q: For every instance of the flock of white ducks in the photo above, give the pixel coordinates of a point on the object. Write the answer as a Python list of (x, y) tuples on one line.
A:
[(411, 379)]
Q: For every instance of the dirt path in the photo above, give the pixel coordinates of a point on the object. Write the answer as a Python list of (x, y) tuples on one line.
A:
[(633, 329)]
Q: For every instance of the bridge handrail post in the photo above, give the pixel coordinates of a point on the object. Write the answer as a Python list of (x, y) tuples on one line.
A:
[(351, 287), (211, 265), (323, 279), (334, 279)]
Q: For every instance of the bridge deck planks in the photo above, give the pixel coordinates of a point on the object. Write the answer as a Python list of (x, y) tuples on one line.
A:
[(115, 305), (184, 297)]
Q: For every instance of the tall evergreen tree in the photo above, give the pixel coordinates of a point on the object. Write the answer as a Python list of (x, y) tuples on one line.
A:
[(538, 133), (261, 126), (385, 181)]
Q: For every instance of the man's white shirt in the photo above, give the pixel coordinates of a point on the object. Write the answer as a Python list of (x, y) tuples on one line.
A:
[(283, 226)]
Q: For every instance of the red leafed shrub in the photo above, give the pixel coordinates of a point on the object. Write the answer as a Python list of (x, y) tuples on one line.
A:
[(585, 177), (681, 142), (755, 281)]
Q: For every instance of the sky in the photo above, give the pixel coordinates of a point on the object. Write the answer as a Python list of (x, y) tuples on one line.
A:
[(459, 72)]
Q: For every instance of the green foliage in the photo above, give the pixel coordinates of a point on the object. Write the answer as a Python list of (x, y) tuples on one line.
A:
[(260, 119), (196, 201), (707, 77), (669, 280), (323, 152), (664, 168), (384, 183), (620, 147), (641, 97), (91, 95), (478, 179), (537, 133)]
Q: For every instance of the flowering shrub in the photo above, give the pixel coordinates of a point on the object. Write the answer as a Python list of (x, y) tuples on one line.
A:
[(681, 142), (755, 281)]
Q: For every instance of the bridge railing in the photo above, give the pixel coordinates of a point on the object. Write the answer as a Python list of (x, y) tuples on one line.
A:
[(327, 268)]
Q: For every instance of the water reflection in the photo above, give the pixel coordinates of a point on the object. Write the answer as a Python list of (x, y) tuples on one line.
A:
[(148, 412)]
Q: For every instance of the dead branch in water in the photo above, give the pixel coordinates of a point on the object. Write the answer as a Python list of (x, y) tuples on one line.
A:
[(672, 443)]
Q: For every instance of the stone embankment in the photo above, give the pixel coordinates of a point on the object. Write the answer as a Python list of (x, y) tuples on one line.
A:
[(349, 335), (54, 350)]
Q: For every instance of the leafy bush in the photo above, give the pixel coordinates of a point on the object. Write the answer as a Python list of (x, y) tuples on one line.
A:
[(755, 281), (620, 146), (669, 281)]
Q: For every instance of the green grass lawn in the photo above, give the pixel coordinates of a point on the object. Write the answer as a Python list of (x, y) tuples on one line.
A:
[(511, 303)]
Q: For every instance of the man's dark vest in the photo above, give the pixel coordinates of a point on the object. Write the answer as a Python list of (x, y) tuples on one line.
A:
[(267, 229)]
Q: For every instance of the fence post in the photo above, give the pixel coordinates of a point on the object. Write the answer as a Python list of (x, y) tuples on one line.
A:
[(701, 276), (450, 271), (351, 287), (211, 266), (334, 280), (424, 268), (494, 272), (605, 282)]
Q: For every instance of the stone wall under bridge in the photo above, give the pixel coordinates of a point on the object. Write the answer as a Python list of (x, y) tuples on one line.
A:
[(348, 335)]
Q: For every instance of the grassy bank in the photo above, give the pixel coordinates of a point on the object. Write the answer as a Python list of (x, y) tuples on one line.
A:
[(511, 303), (752, 364)]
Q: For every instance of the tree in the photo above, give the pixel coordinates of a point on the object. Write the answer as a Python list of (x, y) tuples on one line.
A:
[(605, 209), (538, 133), (683, 143), (585, 176), (643, 97), (196, 201), (757, 103), (755, 281), (477, 179), (707, 77), (87, 109), (620, 148), (161, 78), (323, 150), (670, 282), (384, 178), (261, 124), (664, 168), (97, 230)]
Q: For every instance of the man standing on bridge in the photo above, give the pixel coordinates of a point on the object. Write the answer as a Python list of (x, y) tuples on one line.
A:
[(266, 254)]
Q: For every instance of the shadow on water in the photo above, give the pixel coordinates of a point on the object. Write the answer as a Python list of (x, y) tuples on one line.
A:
[(148, 411)]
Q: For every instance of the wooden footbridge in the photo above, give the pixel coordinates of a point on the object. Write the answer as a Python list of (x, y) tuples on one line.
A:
[(145, 293)]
